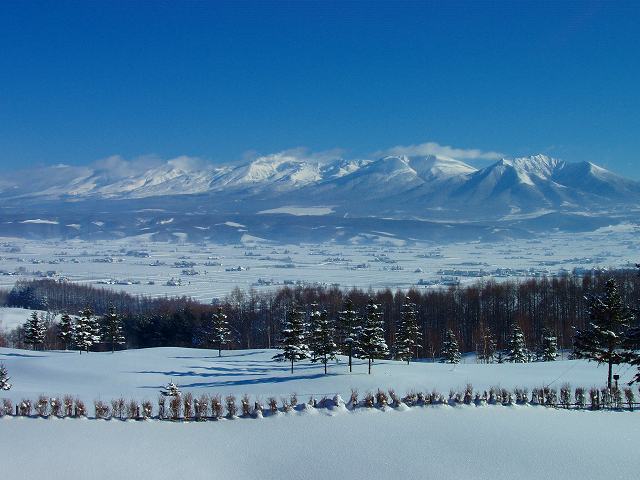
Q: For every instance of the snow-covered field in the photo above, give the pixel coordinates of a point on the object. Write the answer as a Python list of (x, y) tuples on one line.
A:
[(207, 270), (141, 373), (438, 441), (12, 317)]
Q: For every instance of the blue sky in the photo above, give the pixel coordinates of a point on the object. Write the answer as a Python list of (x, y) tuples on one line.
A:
[(81, 81)]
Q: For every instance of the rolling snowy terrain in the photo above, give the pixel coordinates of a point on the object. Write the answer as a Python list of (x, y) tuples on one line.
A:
[(288, 197), (447, 442)]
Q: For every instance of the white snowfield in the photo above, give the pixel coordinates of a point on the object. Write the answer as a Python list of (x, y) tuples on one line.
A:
[(140, 374), (524, 442)]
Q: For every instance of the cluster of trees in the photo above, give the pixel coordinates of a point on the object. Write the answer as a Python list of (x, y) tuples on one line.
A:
[(508, 321), (83, 331)]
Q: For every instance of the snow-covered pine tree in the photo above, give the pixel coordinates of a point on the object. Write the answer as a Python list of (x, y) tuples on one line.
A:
[(608, 332), (4, 378), (86, 332), (371, 342), (324, 346), (112, 329), (487, 345), (408, 335), (548, 349), (311, 334), (450, 348), (220, 332), (34, 330), (349, 325), (293, 341), (171, 390), (517, 347), (65, 330)]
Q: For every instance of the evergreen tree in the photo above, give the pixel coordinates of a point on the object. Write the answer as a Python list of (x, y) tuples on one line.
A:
[(349, 331), (408, 335), (4, 378), (112, 329), (324, 346), (220, 333), (486, 349), (312, 327), (608, 332), (65, 330), (171, 390), (34, 330), (86, 332), (293, 341), (371, 341), (517, 347), (548, 350), (450, 349)]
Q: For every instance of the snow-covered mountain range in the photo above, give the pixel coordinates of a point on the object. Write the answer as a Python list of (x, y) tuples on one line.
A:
[(400, 188)]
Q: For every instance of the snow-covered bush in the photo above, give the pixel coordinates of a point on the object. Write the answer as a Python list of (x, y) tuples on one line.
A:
[(616, 397), (550, 396), (217, 410), (101, 409), (56, 406), (395, 400), (285, 404), (581, 397), (246, 405), (25, 407), (162, 412), (411, 398), (147, 409), (42, 406), (293, 400), (468, 394), (629, 397), (118, 408), (80, 409), (565, 395), (175, 407), (273, 405), (594, 398), (68, 405), (381, 399), (258, 408), (187, 408), (4, 378), (7, 407), (521, 395), (353, 399), (201, 407), (368, 400), (230, 402), (132, 410)]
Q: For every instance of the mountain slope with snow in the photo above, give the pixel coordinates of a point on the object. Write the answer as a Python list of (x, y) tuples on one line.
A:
[(428, 188)]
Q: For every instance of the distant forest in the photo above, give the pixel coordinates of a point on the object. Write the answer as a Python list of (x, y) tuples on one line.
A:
[(256, 318)]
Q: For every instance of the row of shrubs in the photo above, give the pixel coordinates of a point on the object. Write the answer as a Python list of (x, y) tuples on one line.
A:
[(186, 407)]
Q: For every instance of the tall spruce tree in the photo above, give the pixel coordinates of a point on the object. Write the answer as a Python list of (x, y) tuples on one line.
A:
[(349, 326), (293, 341), (324, 345), (450, 348), (371, 341), (312, 326), (408, 335), (517, 346), (34, 330), (604, 340), (548, 349), (220, 331), (113, 329), (4, 378), (65, 330), (86, 332)]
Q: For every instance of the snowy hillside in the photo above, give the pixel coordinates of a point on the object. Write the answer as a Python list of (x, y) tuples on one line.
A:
[(446, 442)]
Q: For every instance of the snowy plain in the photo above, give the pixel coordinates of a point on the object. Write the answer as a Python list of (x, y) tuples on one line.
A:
[(434, 441), (207, 270)]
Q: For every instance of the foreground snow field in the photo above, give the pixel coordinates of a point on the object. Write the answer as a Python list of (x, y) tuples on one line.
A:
[(421, 442), (140, 374), (433, 442)]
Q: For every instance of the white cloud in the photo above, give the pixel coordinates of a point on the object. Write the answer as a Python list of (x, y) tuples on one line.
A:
[(433, 148)]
